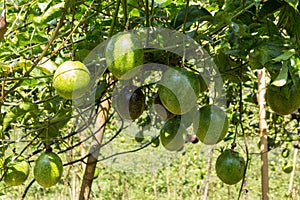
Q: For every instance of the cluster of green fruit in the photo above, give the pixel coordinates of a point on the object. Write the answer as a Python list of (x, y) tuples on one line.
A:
[(176, 97), (47, 170), (174, 102)]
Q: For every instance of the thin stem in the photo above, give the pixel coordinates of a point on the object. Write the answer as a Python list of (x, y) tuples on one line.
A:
[(245, 139), (186, 15), (147, 13), (35, 63), (112, 26)]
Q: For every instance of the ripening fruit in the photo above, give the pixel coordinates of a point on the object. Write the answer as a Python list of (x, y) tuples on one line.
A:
[(48, 169), (16, 170), (124, 52), (71, 80), (129, 102)]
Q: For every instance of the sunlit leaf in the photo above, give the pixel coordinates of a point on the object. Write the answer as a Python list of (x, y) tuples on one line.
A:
[(282, 77)]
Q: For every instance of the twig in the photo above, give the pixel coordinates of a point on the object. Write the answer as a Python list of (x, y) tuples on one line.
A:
[(27, 189), (185, 16), (35, 63), (245, 139)]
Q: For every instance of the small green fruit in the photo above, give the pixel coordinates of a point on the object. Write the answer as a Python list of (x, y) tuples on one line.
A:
[(287, 168), (16, 170), (283, 100), (230, 167), (212, 126), (124, 52), (285, 153), (71, 80), (139, 137), (48, 169), (178, 90), (155, 142), (172, 135), (129, 102)]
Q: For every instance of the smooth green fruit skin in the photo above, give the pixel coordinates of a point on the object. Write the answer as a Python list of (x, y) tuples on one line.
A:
[(48, 169), (172, 135), (287, 169), (212, 126), (281, 102), (160, 110), (178, 90), (139, 137), (130, 102), (230, 167), (155, 142), (71, 80), (124, 52), (17, 170)]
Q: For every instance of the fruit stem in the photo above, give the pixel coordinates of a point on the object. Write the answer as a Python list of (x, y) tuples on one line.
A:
[(48, 148)]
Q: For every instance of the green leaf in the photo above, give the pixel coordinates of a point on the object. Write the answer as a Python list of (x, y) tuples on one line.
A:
[(266, 50), (289, 19), (53, 12), (9, 118), (293, 3), (282, 77), (269, 7), (194, 14), (47, 66), (285, 56)]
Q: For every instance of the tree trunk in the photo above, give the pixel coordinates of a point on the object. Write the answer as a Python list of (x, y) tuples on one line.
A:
[(94, 151), (261, 98)]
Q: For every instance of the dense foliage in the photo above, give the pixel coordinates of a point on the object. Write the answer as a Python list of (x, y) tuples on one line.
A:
[(241, 37)]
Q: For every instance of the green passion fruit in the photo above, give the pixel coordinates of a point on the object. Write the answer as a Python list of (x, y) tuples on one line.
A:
[(230, 167), (124, 51), (16, 170), (139, 137), (130, 102), (178, 90), (172, 135), (212, 126), (48, 169), (155, 142), (159, 108), (283, 100), (71, 80)]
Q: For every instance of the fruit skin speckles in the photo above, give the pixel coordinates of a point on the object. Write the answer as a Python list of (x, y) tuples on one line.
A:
[(48, 169), (16, 170), (124, 51), (71, 80)]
